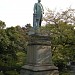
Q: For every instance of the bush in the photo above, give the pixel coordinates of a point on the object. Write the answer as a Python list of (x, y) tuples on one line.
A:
[(1, 73), (12, 73)]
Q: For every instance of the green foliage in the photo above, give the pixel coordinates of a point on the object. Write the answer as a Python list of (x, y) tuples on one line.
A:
[(12, 73), (65, 72), (21, 58), (1, 73), (2, 24), (60, 27), (13, 42), (17, 37)]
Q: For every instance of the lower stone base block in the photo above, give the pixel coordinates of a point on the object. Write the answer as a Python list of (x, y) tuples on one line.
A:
[(39, 70)]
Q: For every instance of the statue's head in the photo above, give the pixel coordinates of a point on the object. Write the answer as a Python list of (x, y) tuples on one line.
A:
[(39, 1)]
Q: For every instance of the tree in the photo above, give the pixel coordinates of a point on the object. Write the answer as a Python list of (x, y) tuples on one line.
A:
[(13, 42), (2, 24), (56, 18), (60, 27), (18, 39)]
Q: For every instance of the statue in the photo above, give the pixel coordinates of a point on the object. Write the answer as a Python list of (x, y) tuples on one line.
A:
[(37, 18), (37, 15)]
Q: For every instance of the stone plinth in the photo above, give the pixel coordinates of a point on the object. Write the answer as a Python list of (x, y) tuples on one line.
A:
[(39, 57), (72, 72)]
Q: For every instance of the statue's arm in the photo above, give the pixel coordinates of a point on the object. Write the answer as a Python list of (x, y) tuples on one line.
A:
[(42, 9), (35, 8)]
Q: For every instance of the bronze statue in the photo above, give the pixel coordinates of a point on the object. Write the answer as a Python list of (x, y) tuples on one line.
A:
[(37, 15)]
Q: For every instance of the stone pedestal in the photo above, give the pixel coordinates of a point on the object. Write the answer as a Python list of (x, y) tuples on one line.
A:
[(39, 57), (72, 72)]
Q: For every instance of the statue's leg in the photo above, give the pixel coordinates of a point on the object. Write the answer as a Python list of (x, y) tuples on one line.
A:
[(34, 21), (40, 21), (38, 24)]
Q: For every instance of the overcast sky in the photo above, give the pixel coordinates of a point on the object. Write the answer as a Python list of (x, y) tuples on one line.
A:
[(20, 12)]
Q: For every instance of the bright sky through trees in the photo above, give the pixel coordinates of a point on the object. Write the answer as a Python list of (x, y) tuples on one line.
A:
[(20, 12)]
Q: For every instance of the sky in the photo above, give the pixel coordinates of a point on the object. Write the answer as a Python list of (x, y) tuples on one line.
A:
[(20, 12)]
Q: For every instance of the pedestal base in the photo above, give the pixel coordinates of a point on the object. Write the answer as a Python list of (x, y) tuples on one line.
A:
[(39, 57), (72, 72), (39, 70)]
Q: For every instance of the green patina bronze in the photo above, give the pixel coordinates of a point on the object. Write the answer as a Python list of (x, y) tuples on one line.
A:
[(37, 15)]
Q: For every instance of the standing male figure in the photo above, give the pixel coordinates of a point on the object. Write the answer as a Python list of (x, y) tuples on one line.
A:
[(37, 15)]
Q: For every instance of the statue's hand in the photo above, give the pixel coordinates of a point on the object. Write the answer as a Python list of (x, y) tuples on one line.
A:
[(34, 14)]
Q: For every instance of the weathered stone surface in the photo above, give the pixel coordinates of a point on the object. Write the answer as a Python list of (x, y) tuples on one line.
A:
[(72, 72), (40, 67), (39, 57), (39, 70), (39, 54), (40, 73)]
